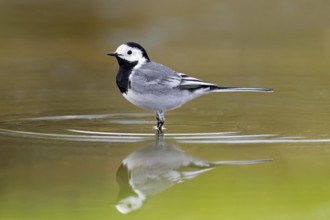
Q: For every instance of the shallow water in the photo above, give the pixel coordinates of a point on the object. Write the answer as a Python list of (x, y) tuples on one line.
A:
[(71, 147)]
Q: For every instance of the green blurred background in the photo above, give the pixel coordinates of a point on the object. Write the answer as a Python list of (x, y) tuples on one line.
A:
[(53, 63)]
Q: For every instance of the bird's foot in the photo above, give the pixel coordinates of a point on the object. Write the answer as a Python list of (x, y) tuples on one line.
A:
[(159, 131)]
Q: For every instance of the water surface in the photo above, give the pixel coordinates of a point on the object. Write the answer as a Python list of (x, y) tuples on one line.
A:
[(68, 138)]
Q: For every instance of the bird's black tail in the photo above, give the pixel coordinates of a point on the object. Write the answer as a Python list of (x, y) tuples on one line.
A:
[(240, 89)]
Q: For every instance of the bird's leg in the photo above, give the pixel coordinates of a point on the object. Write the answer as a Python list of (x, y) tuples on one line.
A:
[(160, 121), (160, 127)]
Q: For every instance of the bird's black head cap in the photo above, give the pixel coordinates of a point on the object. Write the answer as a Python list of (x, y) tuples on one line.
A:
[(138, 46)]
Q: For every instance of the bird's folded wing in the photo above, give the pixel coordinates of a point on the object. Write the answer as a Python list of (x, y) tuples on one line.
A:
[(191, 83), (153, 74)]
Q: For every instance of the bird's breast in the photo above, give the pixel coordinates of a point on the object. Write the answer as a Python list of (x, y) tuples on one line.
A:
[(122, 80)]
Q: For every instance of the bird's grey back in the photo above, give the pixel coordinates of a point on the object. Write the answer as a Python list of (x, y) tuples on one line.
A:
[(157, 76)]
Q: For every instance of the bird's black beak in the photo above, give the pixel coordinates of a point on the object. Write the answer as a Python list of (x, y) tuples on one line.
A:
[(113, 54)]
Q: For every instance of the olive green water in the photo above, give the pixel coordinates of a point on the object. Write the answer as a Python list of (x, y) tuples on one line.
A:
[(65, 129)]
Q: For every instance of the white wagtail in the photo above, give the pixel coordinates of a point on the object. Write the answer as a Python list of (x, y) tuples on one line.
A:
[(153, 86)]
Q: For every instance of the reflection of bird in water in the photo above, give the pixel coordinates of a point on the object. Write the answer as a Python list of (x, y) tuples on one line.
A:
[(155, 168)]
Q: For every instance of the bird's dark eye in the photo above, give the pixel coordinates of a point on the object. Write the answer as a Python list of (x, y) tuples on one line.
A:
[(129, 52)]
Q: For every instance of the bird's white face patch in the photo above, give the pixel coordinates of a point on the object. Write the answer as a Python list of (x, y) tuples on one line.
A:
[(130, 54)]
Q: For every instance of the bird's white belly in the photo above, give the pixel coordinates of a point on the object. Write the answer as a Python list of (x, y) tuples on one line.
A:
[(155, 102)]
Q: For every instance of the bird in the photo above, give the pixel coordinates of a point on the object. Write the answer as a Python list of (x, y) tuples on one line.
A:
[(157, 167), (156, 87)]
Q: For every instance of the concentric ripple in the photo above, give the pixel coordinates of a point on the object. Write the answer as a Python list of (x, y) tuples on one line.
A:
[(87, 128)]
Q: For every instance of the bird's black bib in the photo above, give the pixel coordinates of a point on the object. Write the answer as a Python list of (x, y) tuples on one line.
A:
[(123, 74)]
